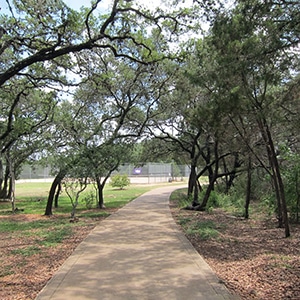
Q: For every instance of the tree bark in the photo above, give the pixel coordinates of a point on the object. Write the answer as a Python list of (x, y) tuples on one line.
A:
[(12, 182), (232, 174), (248, 191), (100, 187), (298, 196), (196, 194), (276, 174), (209, 189), (58, 190), (278, 179), (192, 180), (212, 179), (5, 187), (1, 176), (56, 182)]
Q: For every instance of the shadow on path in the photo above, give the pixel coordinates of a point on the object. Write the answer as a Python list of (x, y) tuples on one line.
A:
[(136, 253)]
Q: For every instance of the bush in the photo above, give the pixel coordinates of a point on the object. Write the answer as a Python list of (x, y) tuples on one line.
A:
[(214, 200), (119, 181), (90, 199)]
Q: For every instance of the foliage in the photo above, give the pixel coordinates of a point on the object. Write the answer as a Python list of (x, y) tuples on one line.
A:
[(292, 183), (214, 200), (268, 205), (89, 199), (73, 188), (242, 70), (119, 181), (73, 55), (181, 196), (232, 202)]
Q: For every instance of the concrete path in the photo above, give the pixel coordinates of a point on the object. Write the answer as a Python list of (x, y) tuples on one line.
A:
[(137, 253)]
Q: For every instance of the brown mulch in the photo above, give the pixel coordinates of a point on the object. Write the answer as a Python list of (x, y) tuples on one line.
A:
[(251, 257)]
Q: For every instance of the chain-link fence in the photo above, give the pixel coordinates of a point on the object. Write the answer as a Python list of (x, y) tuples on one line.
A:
[(35, 172), (154, 172), (142, 173)]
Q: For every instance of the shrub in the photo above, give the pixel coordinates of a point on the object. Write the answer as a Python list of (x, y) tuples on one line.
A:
[(214, 200), (119, 181), (89, 199)]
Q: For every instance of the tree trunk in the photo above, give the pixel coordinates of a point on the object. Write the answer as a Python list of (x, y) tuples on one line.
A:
[(1, 177), (196, 195), (58, 190), (233, 173), (100, 188), (4, 190), (279, 206), (281, 193), (12, 183), (248, 191), (212, 180), (56, 182), (211, 175), (277, 179), (298, 196), (209, 189), (192, 180), (12, 188)]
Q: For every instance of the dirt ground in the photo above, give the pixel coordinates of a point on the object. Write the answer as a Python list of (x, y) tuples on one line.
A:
[(251, 257)]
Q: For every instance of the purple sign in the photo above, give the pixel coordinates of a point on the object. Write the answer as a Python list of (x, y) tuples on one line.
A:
[(137, 171)]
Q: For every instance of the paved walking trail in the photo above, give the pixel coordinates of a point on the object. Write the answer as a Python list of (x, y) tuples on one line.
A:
[(136, 253)]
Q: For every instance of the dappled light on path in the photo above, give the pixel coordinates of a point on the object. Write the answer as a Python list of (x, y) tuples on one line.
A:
[(137, 253)]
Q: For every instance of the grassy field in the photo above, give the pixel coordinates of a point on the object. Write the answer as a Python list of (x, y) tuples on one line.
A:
[(31, 198)]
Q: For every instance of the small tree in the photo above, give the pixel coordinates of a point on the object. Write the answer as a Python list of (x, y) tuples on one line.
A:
[(119, 181), (73, 188)]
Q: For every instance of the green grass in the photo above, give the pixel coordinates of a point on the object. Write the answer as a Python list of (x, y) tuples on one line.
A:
[(13, 226), (55, 236), (183, 221), (27, 251), (22, 226), (180, 196), (5, 270), (94, 214), (204, 229), (31, 198)]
